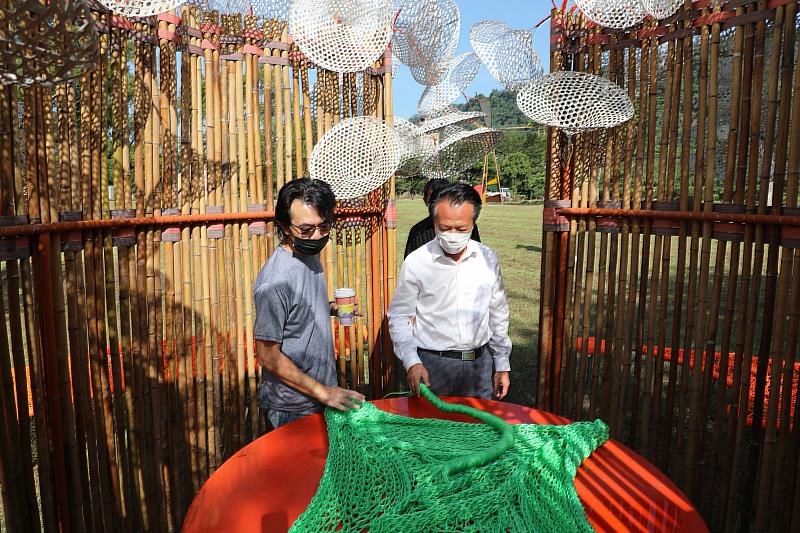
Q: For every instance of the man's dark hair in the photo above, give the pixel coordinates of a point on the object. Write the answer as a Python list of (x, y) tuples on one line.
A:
[(316, 193), (456, 194), (436, 184)]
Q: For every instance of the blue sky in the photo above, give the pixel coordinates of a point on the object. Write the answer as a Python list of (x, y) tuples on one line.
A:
[(518, 14)]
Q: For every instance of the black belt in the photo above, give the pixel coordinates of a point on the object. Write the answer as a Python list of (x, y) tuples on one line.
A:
[(464, 355)]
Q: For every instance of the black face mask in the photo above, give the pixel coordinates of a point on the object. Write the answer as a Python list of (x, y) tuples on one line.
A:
[(310, 246)]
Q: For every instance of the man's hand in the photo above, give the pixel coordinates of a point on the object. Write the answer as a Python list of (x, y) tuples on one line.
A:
[(416, 374), (501, 381), (342, 399), (334, 308)]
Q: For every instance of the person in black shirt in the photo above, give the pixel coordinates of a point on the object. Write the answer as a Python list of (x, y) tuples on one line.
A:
[(423, 232)]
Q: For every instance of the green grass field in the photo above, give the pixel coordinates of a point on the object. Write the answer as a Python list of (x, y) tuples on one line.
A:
[(515, 233)]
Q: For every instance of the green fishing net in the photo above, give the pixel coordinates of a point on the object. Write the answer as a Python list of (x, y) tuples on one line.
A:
[(391, 473)]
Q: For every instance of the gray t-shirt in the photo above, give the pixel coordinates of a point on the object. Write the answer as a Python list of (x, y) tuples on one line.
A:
[(292, 308)]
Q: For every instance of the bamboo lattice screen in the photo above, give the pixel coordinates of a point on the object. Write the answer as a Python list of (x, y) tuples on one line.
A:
[(671, 271), (135, 212)]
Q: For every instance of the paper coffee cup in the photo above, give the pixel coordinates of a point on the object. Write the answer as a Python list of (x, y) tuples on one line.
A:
[(345, 305)]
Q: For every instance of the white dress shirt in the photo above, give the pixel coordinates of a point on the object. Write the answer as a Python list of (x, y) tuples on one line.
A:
[(440, 304)]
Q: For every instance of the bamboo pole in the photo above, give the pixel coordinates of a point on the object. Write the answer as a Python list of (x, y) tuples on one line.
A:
[(750, 287), (567, 361), (129, 310), (634, 312), (696, 419), (649, 164), (244, 295), (665, 187), (623, 340), (156, 322), (228, 314), (90, 96), (16, 514), (200, 410), (216, 253), (191, 284), (287, 111), (619, 247), (147, 373), (680, 276), (299, 168), (363, 367), (786, 459), (172, 388), (611, 181), (260, 252), (280, 120), (52, 328), (589, 234), (208, 248), (733, 135), (119, 324), (14, 420), (268, 142), (693, 293), (741, 168), (307, 126), (774, 347)]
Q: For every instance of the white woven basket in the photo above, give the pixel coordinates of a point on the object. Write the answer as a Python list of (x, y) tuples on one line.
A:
[(355, 157), (575, 101), (341, 35)]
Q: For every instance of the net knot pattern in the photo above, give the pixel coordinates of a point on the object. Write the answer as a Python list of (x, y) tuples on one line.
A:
[(341, 35), (355, 157), (575, 101), (453, 118), (413, 147), (460, 73), (618, 14), (458, 150), (661, 9), (508, 54), (425, 36), (387, 473)]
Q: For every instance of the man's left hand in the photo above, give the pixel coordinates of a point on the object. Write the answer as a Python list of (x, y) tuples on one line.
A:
[(501, 381), (334, 308)]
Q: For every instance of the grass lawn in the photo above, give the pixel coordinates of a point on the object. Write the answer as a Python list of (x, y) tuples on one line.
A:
[(515, 233)]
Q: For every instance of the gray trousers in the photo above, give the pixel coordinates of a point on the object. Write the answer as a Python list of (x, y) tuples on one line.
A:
[(453, 377)]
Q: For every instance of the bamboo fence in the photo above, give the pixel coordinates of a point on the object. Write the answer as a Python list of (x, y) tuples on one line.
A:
[(671, 255), (136, 209)]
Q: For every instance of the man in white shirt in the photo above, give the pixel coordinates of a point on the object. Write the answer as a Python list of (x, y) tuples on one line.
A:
[(449, 315)]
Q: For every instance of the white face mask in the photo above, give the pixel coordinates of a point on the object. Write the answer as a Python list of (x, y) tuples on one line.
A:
[(452, 243)]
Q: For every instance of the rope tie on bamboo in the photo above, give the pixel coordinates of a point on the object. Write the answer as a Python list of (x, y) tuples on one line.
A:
[(386, 472)]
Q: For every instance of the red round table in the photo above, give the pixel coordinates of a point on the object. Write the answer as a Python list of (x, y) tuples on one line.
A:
[(267, 484)]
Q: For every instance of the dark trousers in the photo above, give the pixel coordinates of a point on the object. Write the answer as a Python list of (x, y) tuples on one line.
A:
[(454, 377)]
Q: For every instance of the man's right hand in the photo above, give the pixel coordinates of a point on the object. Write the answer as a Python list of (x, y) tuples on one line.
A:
[(342, 399), (416, 374)]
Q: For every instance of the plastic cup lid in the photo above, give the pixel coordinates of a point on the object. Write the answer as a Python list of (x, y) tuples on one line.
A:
[(344, 292)]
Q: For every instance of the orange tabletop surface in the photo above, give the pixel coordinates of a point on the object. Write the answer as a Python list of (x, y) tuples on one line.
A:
[(267, 484)]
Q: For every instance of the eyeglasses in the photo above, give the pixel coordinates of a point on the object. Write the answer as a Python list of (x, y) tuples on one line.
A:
[(307, 230)]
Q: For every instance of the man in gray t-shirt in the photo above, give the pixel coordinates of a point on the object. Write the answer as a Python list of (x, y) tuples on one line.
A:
[(294, 342), (293, 310)]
